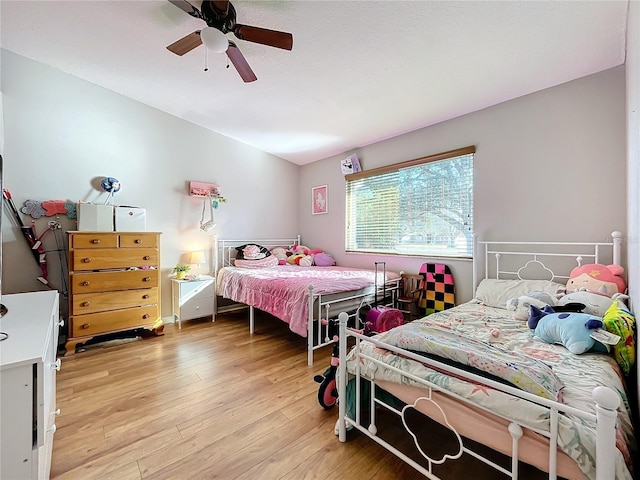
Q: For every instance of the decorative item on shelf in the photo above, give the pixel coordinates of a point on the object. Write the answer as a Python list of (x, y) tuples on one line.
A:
[(350, 164), (207, 190), (197, 259), (181, 270)]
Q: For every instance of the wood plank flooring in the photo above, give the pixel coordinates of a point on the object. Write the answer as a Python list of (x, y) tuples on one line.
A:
[(205, 402)]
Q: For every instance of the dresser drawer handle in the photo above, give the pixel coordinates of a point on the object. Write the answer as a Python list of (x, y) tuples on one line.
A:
[(146, 257), (86, 260), (57, 365), (137, 240), (146, 279), (61, 323), (85, 326), (145, 296), (85, 283), (95, 241), (145, 316), (85, 304)]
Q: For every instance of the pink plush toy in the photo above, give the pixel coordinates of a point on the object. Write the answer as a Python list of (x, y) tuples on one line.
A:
[(594, 277)]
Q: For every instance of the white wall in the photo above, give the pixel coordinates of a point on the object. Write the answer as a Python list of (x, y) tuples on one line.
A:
[(633, 162), (549, 166), (63, 133)]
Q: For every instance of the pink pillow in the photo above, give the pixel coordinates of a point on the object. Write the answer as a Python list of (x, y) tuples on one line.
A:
[(267, 262)]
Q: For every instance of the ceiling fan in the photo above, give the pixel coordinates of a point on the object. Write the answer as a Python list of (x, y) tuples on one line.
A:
[(220, 17)]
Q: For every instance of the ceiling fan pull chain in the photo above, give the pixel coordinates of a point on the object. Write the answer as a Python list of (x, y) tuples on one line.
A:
[(206, 67)]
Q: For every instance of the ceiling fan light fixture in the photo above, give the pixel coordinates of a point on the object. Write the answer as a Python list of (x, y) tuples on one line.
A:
[(214, 39)]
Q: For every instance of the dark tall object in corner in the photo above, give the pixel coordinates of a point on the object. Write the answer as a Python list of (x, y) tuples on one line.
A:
[(3, 310)]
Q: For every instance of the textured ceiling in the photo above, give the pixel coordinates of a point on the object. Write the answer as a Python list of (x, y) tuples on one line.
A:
[(359, 71)]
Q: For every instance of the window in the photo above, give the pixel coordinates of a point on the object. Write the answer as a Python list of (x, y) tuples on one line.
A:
[(420, 207)]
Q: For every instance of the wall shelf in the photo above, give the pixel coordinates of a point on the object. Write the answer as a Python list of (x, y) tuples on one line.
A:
[(203, 189)]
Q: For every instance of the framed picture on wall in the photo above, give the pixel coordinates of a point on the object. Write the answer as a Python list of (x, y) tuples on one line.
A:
[(319, 200)]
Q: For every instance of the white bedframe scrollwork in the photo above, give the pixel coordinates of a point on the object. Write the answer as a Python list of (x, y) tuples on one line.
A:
[(224, 252), (606, 400), (321, 306)]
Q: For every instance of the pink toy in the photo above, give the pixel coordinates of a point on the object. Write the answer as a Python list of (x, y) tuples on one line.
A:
[(594, 277)]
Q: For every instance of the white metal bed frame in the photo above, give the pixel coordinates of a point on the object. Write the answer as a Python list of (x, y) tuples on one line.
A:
[(321, 306), (606, 400)]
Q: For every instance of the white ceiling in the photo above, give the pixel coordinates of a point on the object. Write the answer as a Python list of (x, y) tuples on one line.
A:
[(359, 71)]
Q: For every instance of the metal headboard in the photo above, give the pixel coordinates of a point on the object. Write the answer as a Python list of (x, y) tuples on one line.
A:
[(541, 260), (225, 249)]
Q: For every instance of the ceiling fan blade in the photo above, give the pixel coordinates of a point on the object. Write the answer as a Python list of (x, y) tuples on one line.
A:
[(186, 44), (238, 60), (187, 7), (264, 36)]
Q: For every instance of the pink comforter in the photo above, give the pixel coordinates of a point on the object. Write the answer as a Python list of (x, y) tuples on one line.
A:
[(283, 291)]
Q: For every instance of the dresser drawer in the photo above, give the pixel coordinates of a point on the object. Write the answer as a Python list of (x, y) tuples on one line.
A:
[(100, 259), (138, 240), (196, 308), (98, 302), (94, 240), (113, 321), (113, 281)]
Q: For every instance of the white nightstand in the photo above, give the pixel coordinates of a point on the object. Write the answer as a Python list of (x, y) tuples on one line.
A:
[(193, 298)]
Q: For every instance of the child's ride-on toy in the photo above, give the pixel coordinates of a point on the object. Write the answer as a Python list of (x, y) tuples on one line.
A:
[(328, 390)]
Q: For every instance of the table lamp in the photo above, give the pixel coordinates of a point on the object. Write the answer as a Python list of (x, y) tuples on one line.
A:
[(197, 259)]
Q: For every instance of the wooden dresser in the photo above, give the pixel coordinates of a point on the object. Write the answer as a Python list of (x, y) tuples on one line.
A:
[(114, 284)]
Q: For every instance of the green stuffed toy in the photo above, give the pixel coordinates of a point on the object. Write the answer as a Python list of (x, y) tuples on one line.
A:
[(620, 321)]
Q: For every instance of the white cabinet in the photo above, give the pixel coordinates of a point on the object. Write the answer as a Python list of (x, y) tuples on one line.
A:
[(193, 298), (28, 369)]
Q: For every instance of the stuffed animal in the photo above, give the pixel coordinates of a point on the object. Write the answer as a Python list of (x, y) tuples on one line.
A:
[(593, 303), (620, 321), (573, 330), (323, 259), (281, 253), (295, 258), (594, 277), (520, 305), (300, 250)]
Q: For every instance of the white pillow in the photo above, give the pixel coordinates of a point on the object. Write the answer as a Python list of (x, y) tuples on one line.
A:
[(496, 293)]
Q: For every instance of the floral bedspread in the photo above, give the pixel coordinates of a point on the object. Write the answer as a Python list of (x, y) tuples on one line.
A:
[(493, 330), (283, 291)]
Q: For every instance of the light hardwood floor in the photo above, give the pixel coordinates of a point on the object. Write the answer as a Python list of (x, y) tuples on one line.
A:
[(208, 401)]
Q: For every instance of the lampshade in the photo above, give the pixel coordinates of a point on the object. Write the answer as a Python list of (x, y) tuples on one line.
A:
[(197, 258), (214, 39)]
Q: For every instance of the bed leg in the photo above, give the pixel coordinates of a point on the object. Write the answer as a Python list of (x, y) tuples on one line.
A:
[(310, 328), (215, 308), (516, 433), (251, 320), (607, 402), (342, 378)]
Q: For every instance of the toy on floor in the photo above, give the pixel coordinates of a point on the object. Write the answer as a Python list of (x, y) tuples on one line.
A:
[(328, 390)]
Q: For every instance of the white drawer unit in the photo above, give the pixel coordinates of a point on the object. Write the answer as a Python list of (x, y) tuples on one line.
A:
[(193, 298), (28, 369)]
